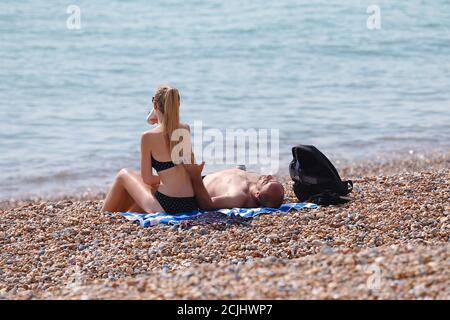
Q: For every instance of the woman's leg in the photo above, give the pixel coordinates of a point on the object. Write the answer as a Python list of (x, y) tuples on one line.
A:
[(135, 208), (141, 193), (117, 199)]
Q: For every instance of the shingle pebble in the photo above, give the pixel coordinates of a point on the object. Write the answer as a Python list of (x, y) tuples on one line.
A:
[(396, 225)]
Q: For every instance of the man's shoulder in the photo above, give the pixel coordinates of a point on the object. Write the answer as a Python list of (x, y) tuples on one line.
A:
[(238, 194), (235, 172), (234, 199)]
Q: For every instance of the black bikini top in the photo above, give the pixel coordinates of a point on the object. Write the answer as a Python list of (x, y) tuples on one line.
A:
[(160, 166)]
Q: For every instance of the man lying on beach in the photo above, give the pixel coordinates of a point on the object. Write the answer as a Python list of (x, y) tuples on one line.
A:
[(234, 188)]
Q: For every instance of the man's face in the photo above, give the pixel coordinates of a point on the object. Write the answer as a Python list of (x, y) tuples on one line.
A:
[(264, 180), (271, 192)]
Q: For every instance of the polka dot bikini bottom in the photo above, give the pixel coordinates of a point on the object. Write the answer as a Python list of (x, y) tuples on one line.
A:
[(174, 205)]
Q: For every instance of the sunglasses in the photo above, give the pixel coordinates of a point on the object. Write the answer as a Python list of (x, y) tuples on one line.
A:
[(151, 107), (153, 100)]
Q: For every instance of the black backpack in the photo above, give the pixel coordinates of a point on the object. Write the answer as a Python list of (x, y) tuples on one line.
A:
[(315, 178)]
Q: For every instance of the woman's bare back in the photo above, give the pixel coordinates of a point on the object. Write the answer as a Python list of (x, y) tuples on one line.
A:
[(175, 181)]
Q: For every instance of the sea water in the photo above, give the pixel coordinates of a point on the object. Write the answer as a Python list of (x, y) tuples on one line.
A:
[(75, 90)]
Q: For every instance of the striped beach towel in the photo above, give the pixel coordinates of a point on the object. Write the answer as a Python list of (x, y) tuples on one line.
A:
[(152, 219)]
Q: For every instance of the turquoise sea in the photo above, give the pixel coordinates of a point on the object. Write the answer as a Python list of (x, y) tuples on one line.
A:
[(73, 102)]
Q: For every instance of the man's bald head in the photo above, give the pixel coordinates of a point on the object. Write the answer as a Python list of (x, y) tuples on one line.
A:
[(271, 192)]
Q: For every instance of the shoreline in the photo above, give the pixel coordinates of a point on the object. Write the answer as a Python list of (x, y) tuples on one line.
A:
[(348, 169), (397, 221)]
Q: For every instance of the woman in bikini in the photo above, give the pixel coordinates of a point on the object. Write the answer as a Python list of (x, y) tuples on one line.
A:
[(170, 190)]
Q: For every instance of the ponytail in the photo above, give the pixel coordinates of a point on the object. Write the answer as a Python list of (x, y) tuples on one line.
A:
[(171, 118)]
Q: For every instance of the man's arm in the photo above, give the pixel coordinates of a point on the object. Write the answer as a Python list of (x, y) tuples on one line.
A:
[(204, 200), (195, 173)]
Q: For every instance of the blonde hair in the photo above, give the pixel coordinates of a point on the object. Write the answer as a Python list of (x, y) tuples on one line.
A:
[(168, 101)]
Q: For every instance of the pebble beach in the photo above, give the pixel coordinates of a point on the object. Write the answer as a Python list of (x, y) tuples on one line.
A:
[(391, 241)]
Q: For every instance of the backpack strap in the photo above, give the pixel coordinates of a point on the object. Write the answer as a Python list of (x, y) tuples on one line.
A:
[(349, 184), (327, 198)]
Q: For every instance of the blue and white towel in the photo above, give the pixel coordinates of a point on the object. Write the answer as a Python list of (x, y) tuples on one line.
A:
[(152, 219)]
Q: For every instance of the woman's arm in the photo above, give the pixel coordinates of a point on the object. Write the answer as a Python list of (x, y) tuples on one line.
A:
[(146, 161)]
